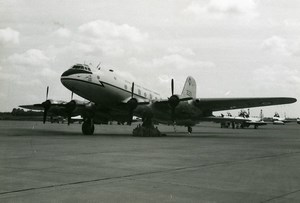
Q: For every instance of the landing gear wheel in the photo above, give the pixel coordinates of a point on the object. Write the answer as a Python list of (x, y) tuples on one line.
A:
[(88, 128), (147, 129), (189, 129)]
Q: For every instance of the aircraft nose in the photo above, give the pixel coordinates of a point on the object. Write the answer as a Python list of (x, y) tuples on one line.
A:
[(63, 80), (65, 76), (67, 73)]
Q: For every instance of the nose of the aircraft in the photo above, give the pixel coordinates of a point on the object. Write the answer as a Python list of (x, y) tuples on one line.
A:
[(67, 73), (64, 77)]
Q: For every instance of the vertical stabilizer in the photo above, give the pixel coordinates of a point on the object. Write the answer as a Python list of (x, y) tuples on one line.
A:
[(190, 87)]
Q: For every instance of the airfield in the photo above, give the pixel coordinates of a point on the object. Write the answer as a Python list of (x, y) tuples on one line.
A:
[(56, 163)]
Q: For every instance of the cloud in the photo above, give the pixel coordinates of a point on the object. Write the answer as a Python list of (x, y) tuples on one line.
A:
[(9, 36), (174, 62), (277, 77), (2, 95), (32, 83), (103, 39), (108, 30), (169, 66), (125, 74), (30, 58), (219, 9), (47, 72), (9, 76), (181, 50), (276, 44), (291, 23), (179, 62), (279, 45), (62, 32), (164, 78), (33, 61)]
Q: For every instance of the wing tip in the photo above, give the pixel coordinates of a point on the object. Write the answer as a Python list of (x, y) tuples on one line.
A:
[(291, 100)]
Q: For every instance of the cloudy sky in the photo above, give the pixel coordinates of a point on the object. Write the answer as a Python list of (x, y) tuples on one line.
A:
[(233, 48)]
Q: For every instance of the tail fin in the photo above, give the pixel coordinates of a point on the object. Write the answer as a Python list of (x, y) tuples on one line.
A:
[(190, 87)]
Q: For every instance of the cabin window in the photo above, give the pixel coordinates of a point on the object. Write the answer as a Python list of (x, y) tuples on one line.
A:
[(145, 94), (150, 96), (139, 92), (125, 86)]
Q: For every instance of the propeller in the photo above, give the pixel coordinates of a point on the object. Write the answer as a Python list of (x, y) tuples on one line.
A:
[(173, 101), (172, 86), (132, 104), (47, 92), (46, 104)]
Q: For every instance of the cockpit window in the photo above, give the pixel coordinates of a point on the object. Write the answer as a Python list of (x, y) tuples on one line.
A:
[(82, 67)]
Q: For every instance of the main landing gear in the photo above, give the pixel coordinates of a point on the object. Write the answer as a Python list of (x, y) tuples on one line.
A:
[(190, 130), (88, 126), (147, 129)]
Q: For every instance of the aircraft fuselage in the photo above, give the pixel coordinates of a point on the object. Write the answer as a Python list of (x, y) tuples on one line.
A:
[(107, 89)]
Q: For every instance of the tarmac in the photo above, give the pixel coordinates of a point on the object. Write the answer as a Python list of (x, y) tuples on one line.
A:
[(56, 163)]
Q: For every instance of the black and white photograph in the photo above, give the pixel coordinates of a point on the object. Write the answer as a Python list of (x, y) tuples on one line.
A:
[(149, 101)]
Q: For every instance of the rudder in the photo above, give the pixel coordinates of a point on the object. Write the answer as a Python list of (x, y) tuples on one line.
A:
[(190, 87)]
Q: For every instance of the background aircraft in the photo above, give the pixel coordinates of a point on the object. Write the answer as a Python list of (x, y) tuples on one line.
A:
[(112, 98), (277, 120), (243, 120)]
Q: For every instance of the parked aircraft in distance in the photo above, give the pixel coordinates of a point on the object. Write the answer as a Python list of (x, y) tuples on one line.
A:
[(112, 98), (298, 120), (277, 120), (243, 120)]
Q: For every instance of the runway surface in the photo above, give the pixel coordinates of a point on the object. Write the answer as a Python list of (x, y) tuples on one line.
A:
[(55, 163)]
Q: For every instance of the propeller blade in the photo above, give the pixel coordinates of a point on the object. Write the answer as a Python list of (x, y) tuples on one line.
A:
[(130, 118), (72, 96), (173, 101), (132, 104), (46, 104), (172, 86), (45, 115), (69, 119), (47, 92), (132, 90)]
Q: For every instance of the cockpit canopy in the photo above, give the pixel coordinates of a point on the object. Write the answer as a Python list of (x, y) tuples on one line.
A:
[(78, 69), (81, 67)]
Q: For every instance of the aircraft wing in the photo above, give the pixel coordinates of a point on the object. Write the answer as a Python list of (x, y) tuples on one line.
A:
[(37, 107), (219, 119), (220, 104), (58, 107)]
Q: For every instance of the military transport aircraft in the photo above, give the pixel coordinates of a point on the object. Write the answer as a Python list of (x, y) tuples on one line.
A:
[(112, 98)]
